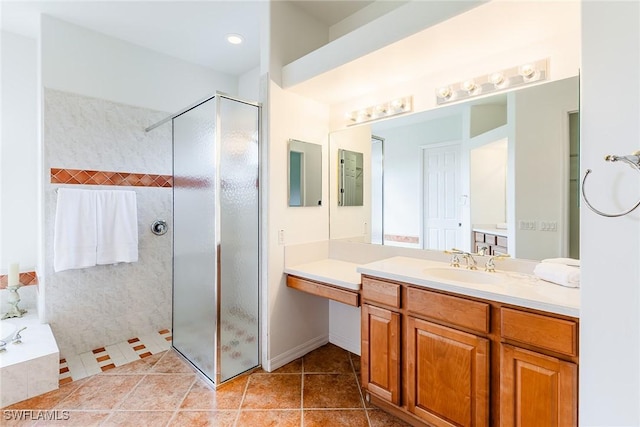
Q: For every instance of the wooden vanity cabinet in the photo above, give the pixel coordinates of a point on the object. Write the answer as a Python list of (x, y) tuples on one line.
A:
[(440, 359), (538, 370), (380, 361), (447, 375)]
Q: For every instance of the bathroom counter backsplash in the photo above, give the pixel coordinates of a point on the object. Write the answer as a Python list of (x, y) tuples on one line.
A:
[(509, 287)]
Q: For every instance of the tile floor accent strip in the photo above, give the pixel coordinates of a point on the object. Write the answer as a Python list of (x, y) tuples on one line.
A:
[(73, 368)]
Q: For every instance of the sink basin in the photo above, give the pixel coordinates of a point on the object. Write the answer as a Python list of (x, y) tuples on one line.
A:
[(7, 329), (467, 276)]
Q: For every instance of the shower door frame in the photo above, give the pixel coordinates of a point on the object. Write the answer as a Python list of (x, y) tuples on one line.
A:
[(217, 382)]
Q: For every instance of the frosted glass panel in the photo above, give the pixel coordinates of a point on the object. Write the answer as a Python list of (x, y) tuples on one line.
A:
[(239, 220), (194, 241), (215, 316)]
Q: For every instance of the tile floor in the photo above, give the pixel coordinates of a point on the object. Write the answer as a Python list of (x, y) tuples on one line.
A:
[(319, 389)]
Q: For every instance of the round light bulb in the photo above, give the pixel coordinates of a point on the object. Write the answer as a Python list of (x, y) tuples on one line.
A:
[(469, 86), (527, 71), (443, 92), (496, 78), (235, 38)]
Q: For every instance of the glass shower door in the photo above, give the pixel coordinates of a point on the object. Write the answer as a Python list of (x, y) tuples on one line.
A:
[(216, 217)]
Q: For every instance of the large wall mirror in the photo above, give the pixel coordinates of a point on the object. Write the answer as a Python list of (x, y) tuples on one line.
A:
[(305, 173), (501, 169)]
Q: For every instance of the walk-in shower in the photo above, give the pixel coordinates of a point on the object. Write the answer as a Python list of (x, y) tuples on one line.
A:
[(216, 236)]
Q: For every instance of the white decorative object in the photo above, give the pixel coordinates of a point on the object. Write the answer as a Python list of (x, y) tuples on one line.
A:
[(14, 298)]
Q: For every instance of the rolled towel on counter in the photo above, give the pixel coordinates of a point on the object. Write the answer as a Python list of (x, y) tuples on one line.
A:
[(560, 274), (565, 261)]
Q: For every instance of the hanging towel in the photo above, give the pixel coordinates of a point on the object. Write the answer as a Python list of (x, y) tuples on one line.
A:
[(560, 274), (117, 227), (75, 238), (566, 261)]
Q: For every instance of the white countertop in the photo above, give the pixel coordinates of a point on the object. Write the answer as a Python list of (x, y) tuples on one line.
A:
[(491, 230), (335, 272), (517, 288)]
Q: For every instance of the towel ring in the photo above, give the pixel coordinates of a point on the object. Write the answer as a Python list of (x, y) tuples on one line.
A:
[(632, 160)]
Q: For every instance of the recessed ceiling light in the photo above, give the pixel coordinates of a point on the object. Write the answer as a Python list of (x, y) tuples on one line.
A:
[(235, 38)]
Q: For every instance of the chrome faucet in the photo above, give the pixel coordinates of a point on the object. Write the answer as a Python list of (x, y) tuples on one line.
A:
[(455, 259), (3, 346), (490, 266), (17, 338), (471, 261)]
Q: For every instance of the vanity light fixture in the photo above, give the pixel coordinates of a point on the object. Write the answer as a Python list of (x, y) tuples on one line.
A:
[(380, 111), (499, 80)]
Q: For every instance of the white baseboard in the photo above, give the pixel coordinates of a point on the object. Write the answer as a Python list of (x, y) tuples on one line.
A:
[(295, 353), (345, 343)]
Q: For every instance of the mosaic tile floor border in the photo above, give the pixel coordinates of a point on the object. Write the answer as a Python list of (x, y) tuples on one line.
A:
[(102, 359)]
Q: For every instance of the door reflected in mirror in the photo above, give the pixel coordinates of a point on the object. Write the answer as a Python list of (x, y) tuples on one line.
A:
[(305, 174), (497, 169), (351, 182)]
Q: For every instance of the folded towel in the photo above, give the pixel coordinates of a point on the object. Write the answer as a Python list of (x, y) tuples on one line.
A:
[(560, 274), (565, 261), (74, 237), (117, 227)]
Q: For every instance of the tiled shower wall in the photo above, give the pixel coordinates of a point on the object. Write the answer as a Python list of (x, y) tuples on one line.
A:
[(92, 307)]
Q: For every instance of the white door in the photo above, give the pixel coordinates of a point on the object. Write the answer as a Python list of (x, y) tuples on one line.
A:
[(442, 190)]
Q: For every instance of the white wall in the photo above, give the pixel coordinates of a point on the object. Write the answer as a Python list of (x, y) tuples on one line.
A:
[(18, 153), (297, 322), (535, 149), (92, 64), (610, 247), (488, 183), (249, 85)]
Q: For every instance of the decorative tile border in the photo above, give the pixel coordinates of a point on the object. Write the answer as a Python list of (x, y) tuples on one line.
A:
[(25, 279), (73, 368), (89, 177), (402, 239)]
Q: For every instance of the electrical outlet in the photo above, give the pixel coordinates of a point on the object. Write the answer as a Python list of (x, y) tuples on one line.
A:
[(548, 226), (527, 225), (281, 237)]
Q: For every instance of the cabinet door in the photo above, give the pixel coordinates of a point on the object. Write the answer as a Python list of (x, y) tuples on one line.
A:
[(381, 352), (448, 375), (537, 390)]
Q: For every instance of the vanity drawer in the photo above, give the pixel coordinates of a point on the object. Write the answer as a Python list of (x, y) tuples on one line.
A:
[(490, 239), (501, 241), (374, 290), (453, 310), (479, 237), (324, 290), (546, 332)]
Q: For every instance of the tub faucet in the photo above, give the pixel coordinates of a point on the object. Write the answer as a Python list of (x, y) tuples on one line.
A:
[(3, 346), (17, 338)]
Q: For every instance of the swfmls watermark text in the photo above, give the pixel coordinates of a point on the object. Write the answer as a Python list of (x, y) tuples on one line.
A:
[(34, 415)]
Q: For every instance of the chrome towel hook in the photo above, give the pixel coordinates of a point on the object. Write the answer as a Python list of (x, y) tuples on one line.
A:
[(632, 160)]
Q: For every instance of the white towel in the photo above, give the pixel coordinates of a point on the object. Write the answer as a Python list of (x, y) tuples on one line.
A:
[(117, 227), (75, 238), (560, 274), (565, 261)]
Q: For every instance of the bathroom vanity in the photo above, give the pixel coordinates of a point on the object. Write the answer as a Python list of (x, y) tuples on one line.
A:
[(444, 346), (445, 356)]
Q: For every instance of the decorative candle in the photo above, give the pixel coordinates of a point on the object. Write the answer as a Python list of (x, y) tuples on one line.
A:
[(14, 274)]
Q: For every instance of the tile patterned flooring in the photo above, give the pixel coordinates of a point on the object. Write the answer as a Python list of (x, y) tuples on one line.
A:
[(319, 389)]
